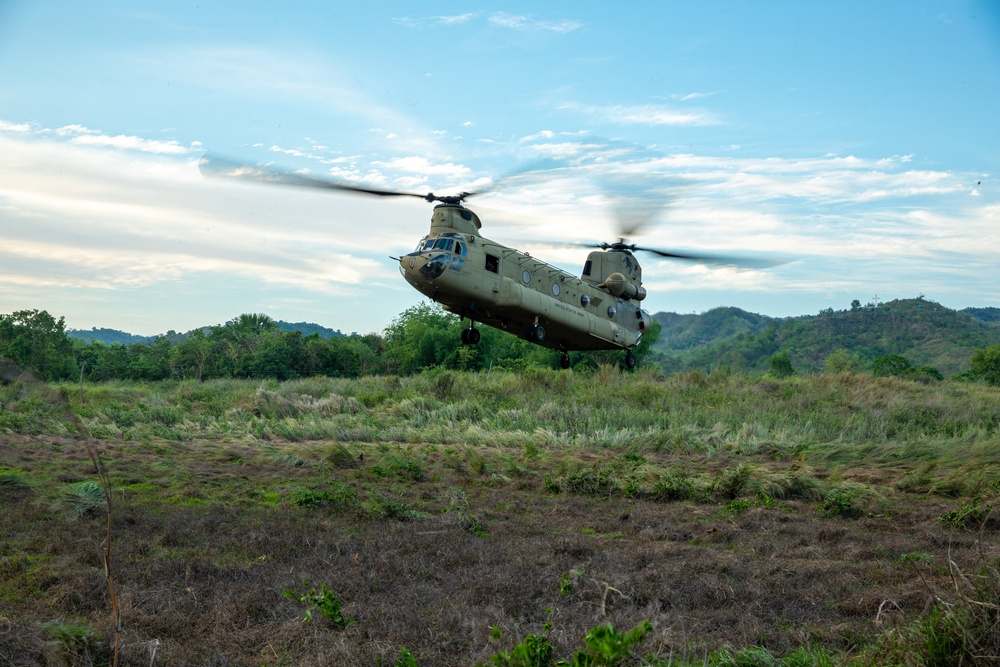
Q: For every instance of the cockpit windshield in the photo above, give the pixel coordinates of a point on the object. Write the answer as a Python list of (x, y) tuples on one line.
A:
[(445, 243)]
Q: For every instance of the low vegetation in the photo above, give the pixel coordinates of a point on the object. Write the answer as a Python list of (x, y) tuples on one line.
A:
[(536, 517)]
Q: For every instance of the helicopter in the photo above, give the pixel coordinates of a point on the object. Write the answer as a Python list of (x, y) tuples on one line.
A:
[(488, 283)]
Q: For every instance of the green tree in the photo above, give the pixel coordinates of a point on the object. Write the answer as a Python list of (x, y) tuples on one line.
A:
[(986, 364), (150, 361), (278, 355), (112, 363), (891, 365), (422, 336), (644, 350), (35, 340), (781, 365), (192, 358), (839, 361)]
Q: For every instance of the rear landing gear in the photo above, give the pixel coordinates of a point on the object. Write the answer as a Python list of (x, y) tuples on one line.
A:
[(564, 361), (630, 359), (537, 333), (470, 336)]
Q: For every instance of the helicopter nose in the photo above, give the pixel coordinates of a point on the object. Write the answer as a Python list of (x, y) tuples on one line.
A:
[(421, 267)]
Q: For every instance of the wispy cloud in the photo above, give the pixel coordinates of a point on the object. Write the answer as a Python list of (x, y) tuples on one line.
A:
[(529, 23), (642, 114), (85, 136), (519, 22), (432, 21)]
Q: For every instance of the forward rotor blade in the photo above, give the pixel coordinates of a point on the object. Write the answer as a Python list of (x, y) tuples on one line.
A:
[(214, 166)]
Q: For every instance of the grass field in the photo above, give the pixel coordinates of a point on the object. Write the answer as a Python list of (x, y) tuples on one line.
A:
[(446, 518)]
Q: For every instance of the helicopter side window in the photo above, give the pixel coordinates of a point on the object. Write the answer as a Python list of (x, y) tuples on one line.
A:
[(587, 267), (428, 244), (460, 249), (444, 244), (492, 263)]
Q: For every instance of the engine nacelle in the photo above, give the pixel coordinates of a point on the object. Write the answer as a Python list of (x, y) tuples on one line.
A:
[(619, 285)]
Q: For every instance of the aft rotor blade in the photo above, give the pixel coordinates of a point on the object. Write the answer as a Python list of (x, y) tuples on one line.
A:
[(738, 261)]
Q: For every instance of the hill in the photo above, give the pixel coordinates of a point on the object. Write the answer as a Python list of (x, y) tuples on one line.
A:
[(989, 315), (682, 332), (109, 336), (925, 332)]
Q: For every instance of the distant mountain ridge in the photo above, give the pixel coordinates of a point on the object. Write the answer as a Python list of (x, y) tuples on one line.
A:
[(925, 332), (109, 336)]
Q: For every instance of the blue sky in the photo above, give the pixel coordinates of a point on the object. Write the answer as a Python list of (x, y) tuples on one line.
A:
[(860, 139)]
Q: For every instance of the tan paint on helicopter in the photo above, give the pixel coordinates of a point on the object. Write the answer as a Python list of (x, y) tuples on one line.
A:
[(596, 311)]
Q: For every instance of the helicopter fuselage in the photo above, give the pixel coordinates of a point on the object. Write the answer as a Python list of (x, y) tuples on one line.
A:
[(502, 287)]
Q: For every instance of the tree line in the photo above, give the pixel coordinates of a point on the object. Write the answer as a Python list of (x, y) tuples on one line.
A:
[(252, 346), (422, 337)]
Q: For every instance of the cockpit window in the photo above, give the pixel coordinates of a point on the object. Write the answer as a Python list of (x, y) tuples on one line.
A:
[(460, 249), (444, 244), (428, 244)]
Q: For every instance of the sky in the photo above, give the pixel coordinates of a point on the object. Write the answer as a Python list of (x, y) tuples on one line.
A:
[(858, 142)]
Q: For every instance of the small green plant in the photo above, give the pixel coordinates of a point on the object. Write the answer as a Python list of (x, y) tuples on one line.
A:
[(674, 486), (839, 502), (325, 601), (391, 508), (969, 515), (534, 651), (406, 658), (551, 485), (11, 478), (398, 466), (78, 644), (339, 495), (566, 580), (460, 507), (607, 647), (738, 506)]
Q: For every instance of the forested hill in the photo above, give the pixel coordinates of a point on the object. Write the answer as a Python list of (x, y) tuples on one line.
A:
[(682, 332), (988, 315), (109, 336), (924, 332)]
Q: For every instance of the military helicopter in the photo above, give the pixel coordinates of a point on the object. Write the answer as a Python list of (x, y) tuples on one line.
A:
[(488, 283)]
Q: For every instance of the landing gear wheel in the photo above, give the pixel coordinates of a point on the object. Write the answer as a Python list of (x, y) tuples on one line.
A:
[(564, 361), (537, 333), (470, 336), (630, 360)]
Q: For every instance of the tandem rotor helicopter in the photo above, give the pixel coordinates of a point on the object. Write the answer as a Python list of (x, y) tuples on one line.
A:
[(488, 283)]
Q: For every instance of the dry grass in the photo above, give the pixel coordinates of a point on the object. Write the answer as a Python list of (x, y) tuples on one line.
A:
[(734, 515), (206, 545)]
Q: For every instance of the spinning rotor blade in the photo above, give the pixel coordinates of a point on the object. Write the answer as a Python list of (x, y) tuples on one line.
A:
[(737, 261), (214, 166)]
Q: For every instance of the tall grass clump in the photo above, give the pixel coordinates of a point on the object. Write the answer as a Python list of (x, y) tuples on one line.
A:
[(80, 499)]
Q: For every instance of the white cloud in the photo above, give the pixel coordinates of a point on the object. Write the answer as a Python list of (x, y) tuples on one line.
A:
[(432, 21), (522, 22), (642, 114), (131, 142)]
